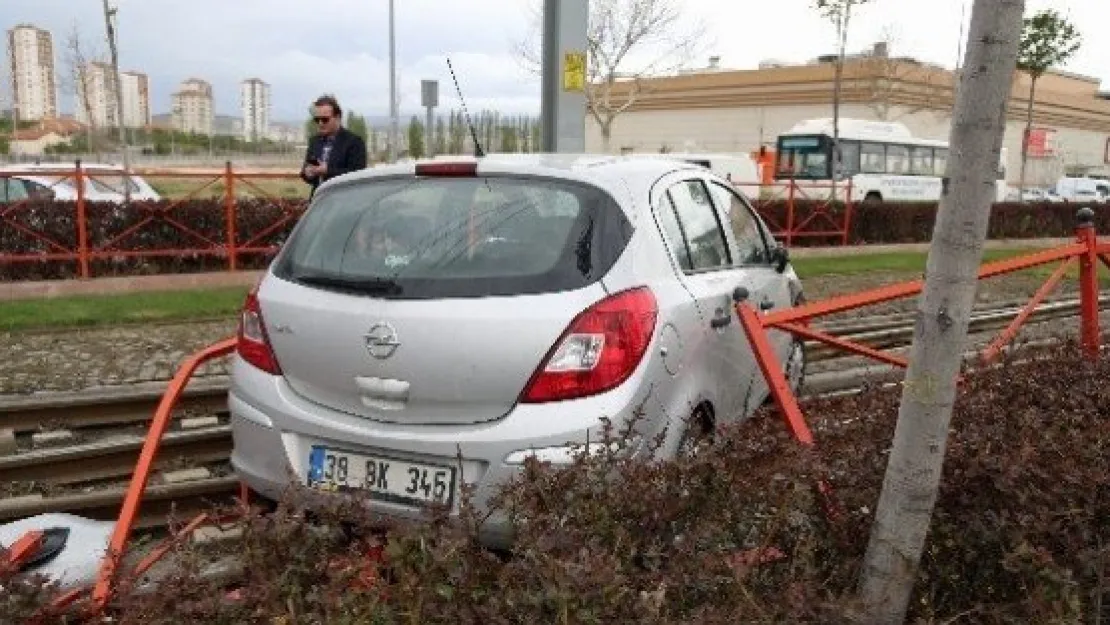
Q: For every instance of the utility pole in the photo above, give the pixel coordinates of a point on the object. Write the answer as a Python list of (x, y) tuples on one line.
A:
[(394, 123), (563, 88), (109, 19)]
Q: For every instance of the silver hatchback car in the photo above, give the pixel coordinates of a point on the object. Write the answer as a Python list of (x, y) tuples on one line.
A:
[(436, 323)]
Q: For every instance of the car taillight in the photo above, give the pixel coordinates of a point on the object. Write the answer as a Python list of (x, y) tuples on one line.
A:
[(467, 169), (598, 351), (253, 343)]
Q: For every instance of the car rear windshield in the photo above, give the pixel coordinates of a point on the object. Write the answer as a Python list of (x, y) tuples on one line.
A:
[(419, 238)]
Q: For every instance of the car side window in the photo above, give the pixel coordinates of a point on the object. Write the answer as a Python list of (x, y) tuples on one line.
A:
[(38, 191), (751, 245), (705, 237), (672, 231), (13, 190)]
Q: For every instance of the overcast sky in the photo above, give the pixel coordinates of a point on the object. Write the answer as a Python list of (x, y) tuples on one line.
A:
[(303, 48)]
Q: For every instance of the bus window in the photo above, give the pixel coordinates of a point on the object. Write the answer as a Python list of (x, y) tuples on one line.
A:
[(803, 157), (921, 161), (849, 158), (897, 159), (872, 158), (940, 161)]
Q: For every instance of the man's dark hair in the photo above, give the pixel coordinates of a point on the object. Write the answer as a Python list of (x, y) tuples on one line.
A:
[(329, 100)]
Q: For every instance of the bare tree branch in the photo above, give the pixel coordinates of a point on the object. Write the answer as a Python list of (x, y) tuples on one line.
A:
[(888, 76), (627, 41), (77, 79)]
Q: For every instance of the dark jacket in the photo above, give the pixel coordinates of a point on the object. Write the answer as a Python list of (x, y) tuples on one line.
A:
[(348, 154)]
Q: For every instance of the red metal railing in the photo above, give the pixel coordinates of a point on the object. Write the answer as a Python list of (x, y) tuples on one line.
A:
[(115, 234), (1087, 251), (781, 204)]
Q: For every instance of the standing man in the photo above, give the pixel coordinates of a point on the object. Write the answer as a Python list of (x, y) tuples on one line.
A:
[(334, 150)]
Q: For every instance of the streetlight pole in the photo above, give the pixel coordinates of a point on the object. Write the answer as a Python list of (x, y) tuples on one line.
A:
[(394, 124)]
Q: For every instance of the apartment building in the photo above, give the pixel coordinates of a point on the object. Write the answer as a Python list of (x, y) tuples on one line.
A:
[(96, 97), (254, 101), (136, 99), (31, 61), (193, 107)]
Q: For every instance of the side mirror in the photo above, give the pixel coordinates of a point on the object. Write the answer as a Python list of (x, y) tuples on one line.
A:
[(780, 257)]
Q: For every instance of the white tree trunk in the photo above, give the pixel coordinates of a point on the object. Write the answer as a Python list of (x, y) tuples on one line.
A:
[(913, 473)]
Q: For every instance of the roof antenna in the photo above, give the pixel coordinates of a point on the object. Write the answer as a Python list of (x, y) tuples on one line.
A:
[(478, 152)]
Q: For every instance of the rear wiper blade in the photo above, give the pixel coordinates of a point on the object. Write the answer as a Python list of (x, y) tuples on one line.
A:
[(375, 286)]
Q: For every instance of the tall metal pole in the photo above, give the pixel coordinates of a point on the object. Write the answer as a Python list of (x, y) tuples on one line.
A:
[(109, 17), (394, 123), (563, 91)]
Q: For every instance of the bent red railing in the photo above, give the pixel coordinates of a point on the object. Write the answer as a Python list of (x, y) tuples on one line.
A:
[(107, 575), (1087, 252)]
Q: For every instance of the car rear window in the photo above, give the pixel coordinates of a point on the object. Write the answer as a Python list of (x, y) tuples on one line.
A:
[(419, 238)]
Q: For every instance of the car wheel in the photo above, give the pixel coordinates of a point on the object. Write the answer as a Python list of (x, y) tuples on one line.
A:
[(698, 432), (795, 366)]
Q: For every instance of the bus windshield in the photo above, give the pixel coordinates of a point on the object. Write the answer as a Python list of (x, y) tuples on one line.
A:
[(805, 157)]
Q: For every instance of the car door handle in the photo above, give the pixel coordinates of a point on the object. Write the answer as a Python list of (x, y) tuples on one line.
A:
[(723, 318)]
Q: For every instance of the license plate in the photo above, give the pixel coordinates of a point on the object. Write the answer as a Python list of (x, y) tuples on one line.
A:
[(385, 479)]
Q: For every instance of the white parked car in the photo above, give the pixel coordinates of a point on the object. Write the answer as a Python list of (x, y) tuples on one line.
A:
[(103, 183)]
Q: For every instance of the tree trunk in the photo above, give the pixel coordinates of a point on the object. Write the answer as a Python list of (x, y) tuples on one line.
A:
[(606, 136), (913, 472), (125, 153), (1025, 139)]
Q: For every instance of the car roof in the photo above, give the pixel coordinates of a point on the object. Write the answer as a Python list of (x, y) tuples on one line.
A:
[(603, 170)]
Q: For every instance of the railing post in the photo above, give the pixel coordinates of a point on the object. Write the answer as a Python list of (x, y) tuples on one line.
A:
[(844, 238), (82, 222), (1088, 283), (790, 213), (229, 210)]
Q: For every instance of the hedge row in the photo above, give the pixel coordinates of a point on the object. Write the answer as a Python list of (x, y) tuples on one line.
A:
[(199, 225), (871, 223), (1018, 536)]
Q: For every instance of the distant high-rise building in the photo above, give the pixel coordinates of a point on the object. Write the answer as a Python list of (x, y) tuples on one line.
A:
[(193, 108), (31, 58), (96, 97), (136, 99), (254, 99)]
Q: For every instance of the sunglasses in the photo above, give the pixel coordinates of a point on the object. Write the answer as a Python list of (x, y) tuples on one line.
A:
[(322, 120)]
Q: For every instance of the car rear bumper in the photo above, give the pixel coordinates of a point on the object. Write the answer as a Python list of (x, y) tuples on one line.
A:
[(274, 430)]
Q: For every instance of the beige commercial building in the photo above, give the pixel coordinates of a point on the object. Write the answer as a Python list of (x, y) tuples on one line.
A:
[(31, 63), (193, 107), (739, 111)]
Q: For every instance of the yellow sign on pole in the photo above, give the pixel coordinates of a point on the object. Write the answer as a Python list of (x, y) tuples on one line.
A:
[(574, 71)]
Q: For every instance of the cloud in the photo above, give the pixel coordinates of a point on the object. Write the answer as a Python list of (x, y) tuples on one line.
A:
[(306, 48)]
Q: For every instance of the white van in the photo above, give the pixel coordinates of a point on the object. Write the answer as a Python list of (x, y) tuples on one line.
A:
[(1083, 189)]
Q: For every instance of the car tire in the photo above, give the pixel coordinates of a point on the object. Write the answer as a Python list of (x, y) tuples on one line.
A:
[(697, 431), (794, 368)]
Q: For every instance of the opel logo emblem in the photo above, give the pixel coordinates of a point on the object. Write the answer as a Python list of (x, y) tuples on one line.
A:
[(381, 341)]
